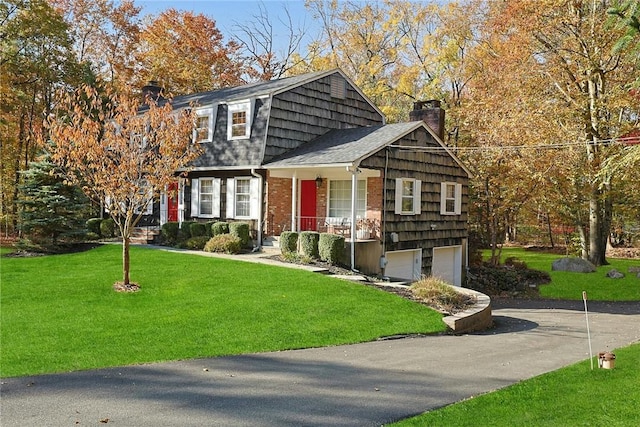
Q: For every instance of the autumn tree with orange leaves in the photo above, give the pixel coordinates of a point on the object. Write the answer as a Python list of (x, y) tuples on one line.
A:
[(121, 155)]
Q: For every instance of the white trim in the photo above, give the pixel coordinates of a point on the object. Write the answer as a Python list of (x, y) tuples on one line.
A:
[(457, 198), (247, 106), (210, 113), (416, 208), (196, 187)]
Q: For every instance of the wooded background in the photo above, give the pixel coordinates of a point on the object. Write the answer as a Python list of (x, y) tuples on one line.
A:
[(542, 96)]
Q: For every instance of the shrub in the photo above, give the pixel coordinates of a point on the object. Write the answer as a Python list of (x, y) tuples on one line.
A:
[(169, 232), (209, 228), (331, 247), (196, 243), (185, 230), (241, 231), (309, 243), (288, 242), (220, 227), (495, 280), (108, 227), (223, 243), (93, 225), (198, 229), (438, 294), (90, 235)]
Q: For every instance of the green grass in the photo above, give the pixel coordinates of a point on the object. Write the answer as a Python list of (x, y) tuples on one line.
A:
[(572, 396), (567, 285), (59, 313)]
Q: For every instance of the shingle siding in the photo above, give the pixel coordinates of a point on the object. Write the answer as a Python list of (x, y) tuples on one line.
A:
[(308, 111), (432, 168)]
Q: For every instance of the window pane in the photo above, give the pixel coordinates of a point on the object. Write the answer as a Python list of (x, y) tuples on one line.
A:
[(340, 199), (243, 197), (202, 128), (451, 191), (206, 196), (450, 205), (239, 123)]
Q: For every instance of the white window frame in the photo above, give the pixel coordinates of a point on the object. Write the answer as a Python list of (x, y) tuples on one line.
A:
[(415, 197), (237, 107), (196, 197), (446, 200), (361, 203), (254, 197), (207, 113)]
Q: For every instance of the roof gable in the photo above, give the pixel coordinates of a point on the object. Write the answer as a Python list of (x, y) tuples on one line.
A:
[(346, 147)]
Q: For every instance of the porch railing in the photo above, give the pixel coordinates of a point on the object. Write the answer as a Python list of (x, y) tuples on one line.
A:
[(366, 229)]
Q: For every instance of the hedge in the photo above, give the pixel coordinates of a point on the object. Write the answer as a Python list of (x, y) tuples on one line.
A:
[(331, 247), (288, 242), (169, 232), (309, 243), (220, 227), (93, 225), (241, 231), (108, 227), (198, 229)]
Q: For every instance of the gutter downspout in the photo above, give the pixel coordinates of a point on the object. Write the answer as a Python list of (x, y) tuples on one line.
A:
[(261, 186)]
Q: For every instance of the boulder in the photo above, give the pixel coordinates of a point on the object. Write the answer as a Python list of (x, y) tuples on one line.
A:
[(576, 265), (634, 269), (614, 274)]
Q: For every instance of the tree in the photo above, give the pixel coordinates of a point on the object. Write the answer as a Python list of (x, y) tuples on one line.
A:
[(122, 155), (50, 208), (35, 59), (185, 53), (575, 87), (106, 36), (257, 42)]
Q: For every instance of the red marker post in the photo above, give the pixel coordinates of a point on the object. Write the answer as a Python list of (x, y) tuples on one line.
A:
[(586, 315)]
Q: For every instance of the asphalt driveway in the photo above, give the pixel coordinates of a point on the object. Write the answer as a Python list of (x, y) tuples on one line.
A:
[(358, 385)]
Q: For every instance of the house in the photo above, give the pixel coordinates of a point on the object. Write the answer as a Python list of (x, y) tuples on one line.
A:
[(286, 155)]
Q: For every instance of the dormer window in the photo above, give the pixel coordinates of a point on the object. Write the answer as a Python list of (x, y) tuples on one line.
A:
[(203, 131), (239, 120)]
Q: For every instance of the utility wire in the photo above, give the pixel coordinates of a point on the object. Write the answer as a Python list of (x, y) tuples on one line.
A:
[(621, 141)]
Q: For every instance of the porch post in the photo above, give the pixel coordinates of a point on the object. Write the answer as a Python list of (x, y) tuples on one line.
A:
[(294, 202), (354, 200)]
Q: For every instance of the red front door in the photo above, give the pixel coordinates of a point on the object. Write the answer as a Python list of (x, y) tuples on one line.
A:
[(308, 219), (172, 202)]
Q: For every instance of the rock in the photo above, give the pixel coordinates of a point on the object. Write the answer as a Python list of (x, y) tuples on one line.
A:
[(614, 274), (576, 265), (634, 269)]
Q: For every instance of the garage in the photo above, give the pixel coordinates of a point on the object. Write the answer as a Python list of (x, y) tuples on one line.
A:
[(447, 264), (404, 265)]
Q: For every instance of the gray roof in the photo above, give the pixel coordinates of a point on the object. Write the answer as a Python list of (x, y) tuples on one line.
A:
[(343, 146), (252, 90)]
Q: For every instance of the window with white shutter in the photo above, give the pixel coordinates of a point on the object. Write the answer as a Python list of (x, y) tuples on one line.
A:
[(408, 196)]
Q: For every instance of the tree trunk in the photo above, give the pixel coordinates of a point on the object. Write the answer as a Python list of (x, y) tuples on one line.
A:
[(125, 259), (600, 207)]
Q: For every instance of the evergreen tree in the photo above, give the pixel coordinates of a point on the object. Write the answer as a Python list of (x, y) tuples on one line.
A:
[(51, 210)]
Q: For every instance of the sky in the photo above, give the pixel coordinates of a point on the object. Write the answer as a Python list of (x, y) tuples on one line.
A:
[(228, 14)]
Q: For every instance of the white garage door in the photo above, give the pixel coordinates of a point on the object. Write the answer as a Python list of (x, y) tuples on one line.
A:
[(405, 265), (447, 264)]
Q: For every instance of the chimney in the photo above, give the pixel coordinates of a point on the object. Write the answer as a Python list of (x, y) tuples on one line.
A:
[(431, 113), (152, 90)]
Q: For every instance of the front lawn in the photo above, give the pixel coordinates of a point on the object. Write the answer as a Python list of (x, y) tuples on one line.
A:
[(571, 396), (59, 313), (567, 285)]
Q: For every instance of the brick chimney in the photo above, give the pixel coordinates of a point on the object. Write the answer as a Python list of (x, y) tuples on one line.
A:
[(152, 90), (431, 113)]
